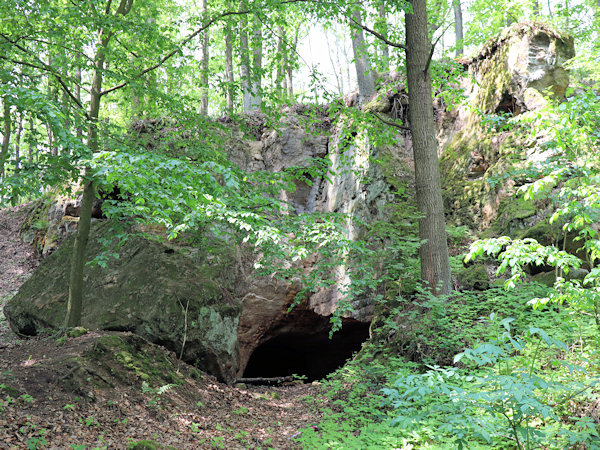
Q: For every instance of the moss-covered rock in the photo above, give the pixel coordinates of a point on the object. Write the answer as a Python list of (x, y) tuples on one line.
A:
[(482, 156), (152, 290), (474, 278)]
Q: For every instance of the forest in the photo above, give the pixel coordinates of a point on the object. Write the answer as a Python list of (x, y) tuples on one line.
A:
[(280, 224)]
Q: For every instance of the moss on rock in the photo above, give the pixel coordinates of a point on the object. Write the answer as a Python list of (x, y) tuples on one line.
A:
[(151, 290), (474, 278)]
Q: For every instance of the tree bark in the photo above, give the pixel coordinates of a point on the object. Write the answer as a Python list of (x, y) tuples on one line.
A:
[(364, 74), (290, 68), (18, 143), (79, 130), (75, 300), (256, 80), (280, 77), (435, 265), (385, 50), (245, 67), (229, 69), (458, 28), (205, 60), (5, 137), (31, 141)]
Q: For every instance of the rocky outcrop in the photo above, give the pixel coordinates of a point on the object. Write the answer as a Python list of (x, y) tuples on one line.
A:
[(164, 294), (514, 71), (510, 76)]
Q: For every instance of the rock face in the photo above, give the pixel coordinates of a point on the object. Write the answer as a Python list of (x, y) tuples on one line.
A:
[(516, 68), (152, 290), (510, 76), (357, 185)]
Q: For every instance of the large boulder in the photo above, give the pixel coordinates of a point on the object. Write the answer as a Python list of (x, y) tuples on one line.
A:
[(162, 293)]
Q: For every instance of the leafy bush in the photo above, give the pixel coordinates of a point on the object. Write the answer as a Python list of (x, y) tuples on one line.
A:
[(432, 330)]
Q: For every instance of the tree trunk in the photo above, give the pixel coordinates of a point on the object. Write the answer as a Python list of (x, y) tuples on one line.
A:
[(78, 97), (290, 68), (256, 80), (5, 137), (281, 64), (75, 300), (229, 69), (435, 265), (458, 28), (205, 60), (385, 50), (364, 74), (18, 143), (245, 67), (31, 141)]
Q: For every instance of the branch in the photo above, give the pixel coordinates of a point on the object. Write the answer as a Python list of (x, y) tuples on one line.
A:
[(378, 35), (393, 124), (433, 48), (42, 66), (174, 51)]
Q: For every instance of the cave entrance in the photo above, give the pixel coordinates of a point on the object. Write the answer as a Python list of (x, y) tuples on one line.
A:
[(306, 353), (508, 105)]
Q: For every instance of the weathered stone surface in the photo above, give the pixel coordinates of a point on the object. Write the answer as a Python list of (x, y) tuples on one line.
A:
[(525, 56), (510, 76), (146, 291)]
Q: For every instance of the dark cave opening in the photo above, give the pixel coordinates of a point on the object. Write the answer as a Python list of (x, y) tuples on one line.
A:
[(306, 353), (508, 105)]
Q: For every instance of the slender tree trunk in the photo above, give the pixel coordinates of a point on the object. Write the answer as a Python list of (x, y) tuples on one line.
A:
[(338, 76), (385, 50), (281, 64), (53, 149), (75, 300), (458, 28), (79, 130), (435, 265), (32, 141), (205, 60), (256, 80), (18, 143), (229, 69), (5, 137), (245, 68), (364, 74), (290, 68)]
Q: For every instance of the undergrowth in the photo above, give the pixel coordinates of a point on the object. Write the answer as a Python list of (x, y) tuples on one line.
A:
[(489, 372)]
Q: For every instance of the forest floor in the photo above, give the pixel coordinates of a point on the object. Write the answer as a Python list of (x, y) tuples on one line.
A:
[(47, 400)]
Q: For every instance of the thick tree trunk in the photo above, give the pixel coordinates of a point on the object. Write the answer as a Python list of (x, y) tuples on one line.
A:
[(364, 74), (458, 27), (435, 265), (205, 60)]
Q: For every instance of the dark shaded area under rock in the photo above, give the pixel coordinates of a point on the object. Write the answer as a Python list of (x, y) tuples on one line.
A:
[(312, 355)]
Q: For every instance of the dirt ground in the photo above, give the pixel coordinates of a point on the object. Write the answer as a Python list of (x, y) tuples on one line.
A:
[(49, 400)]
